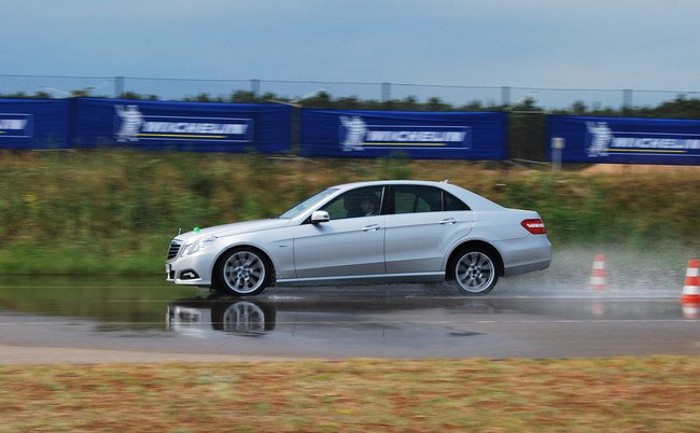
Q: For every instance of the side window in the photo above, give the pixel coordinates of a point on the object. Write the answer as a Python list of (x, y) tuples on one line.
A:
[(416, 198), (356, 203), (451, 202)]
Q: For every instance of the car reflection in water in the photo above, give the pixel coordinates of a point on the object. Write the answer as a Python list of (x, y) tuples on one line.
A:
[(198, 317), (334, 317), (234, 316)]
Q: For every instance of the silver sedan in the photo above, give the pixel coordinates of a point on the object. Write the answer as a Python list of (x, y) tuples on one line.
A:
[(367, 232)]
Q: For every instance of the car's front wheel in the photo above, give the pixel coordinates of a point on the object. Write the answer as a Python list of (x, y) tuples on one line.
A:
[(475, 271), (242, 272)]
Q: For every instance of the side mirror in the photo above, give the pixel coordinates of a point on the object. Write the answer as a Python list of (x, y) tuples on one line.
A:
[(320, 216)]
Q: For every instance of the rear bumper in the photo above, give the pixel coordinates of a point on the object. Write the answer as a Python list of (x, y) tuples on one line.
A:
[(532, 253)]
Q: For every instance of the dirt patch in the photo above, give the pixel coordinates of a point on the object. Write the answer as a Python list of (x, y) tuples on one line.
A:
[(637, 169)]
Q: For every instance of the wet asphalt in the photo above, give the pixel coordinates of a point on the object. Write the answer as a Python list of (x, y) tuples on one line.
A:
[(150, 321)]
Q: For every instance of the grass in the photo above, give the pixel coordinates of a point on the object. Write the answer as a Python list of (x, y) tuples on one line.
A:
[(657, 394), (115, 211)]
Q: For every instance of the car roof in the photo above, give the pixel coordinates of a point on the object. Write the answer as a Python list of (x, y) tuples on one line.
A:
[(352, 185), (469, 197)]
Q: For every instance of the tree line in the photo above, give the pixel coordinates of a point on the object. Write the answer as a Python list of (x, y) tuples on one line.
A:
[(681, 107)]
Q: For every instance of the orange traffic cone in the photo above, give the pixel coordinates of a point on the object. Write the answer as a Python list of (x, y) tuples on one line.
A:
[(599, 277), (691, 311), (691, 289)]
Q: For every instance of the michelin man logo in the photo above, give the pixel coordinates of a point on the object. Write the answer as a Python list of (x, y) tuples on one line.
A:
[(602, 136), (131, 121), (355, 132)]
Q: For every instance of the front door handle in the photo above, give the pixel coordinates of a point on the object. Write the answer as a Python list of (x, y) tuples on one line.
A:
[(371, 228)]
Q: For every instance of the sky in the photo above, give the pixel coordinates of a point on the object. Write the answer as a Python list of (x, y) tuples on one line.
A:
[(560, 44)]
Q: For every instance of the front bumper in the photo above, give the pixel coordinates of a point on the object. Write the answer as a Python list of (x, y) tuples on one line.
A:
[(190, 270), (181, 274)]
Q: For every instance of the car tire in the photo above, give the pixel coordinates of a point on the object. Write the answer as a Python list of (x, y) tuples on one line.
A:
[(243, 317), (475, 271), (242, 272)]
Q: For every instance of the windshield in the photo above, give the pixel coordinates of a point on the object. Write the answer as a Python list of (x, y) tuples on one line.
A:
[(308, 203)]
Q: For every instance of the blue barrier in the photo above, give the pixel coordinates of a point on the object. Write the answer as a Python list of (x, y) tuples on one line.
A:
[(34, 123), (158, 125), (190, 126), (266, 128), (625, 140), (418, 135)]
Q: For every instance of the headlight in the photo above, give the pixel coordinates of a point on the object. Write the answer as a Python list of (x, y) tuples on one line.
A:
[(199, 245)]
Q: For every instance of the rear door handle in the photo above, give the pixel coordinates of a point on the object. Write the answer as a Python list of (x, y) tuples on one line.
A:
[(449, 221), (371, 228)]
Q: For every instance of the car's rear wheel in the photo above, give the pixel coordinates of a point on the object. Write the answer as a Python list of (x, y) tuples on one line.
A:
[(242, 272), (475, 271)]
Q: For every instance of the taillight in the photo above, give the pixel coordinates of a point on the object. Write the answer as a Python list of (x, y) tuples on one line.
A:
[(534, 226)]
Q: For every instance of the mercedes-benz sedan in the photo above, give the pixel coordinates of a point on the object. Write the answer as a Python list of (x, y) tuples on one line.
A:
[(367, 232)]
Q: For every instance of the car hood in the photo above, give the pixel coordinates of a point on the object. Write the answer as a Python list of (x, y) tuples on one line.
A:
[(235, 228)]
